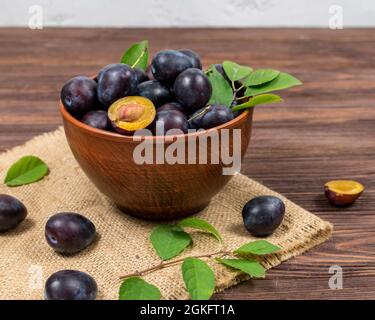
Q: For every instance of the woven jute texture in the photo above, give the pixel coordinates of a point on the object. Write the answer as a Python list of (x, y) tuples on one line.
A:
[(123, 245)]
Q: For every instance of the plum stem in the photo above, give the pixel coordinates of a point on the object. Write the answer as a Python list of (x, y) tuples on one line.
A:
[(222, 252), (203, 112)]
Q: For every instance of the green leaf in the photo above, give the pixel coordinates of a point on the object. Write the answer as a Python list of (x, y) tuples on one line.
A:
[(260, 76), (201, 225), (199, 279), (221, 90), (283, 81), (137, 55), (252, 268), (26, 170), (235, 71), (136, 288), (259, 247), (168, 241), (261, 99)]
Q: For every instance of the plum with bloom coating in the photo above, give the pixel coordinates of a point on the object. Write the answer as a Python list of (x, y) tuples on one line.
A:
[(97, 119), (211, 116), (12, 212), (70, 285), (69, 232), (168, 120), (116, 81), (192, 89), (194, 58), (262, 215), (168, 64), (79, 96), (154, 90)]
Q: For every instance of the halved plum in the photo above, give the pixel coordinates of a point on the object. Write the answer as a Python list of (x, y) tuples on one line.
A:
[(132, 113)]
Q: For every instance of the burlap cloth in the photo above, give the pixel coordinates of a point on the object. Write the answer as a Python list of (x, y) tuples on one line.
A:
[(123, 243)]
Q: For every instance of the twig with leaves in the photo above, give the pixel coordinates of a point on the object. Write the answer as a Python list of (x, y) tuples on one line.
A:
[(171, 240)]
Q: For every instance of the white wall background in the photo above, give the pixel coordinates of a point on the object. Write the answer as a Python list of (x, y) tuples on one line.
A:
[(188, 13)]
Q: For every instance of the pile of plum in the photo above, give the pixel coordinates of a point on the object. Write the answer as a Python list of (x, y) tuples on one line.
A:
[(173, 92)]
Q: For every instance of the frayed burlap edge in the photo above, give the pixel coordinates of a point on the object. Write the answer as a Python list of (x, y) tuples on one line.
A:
[(299, 232)]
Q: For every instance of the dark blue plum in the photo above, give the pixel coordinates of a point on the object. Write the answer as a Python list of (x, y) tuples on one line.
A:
[(149, 73), (158, 93), (70, 285), (79, 95), (192, 89), (141, 75), (194, 58), (168, 64), (168, 120), (12, 212), (211, 116), (171, 106), (97, 119), (263, 215), (116, 81), (68, 232)]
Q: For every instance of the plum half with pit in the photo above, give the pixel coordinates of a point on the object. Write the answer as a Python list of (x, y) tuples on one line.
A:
[(79, 96), (69, 232), (192, 89), (130, 114), (116, 81), (97, 119), (263, 215), (342, 193), (194, 58), (173, 120), (158, 93), (211, 116), (12, 212), (70, 285), (166, 65)]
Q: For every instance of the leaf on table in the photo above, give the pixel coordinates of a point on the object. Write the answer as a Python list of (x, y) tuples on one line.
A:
[(202, 225), (283, 81), (258, 247), (137, 55), (169, 240), (26, 170), (199, 278), (136, 288), (235, 71), (252, 268)]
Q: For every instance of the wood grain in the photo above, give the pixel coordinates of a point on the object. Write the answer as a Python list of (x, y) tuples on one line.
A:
[(323, 131)]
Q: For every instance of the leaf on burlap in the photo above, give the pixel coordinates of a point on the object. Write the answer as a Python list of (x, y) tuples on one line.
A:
[(202, 225), (199, 278), (136, 288), (169, 240), (252, 268), (26, 170), (258, 247)]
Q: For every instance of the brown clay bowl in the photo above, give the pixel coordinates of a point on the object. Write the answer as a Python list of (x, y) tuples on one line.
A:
[(152, 191)]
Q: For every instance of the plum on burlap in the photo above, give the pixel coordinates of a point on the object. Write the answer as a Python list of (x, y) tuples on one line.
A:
[(123, 243)]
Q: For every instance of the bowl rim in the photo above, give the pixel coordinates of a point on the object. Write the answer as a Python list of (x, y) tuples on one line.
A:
[(130, 138)]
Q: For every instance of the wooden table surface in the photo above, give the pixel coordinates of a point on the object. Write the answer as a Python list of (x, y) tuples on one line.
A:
[(324, 130)]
